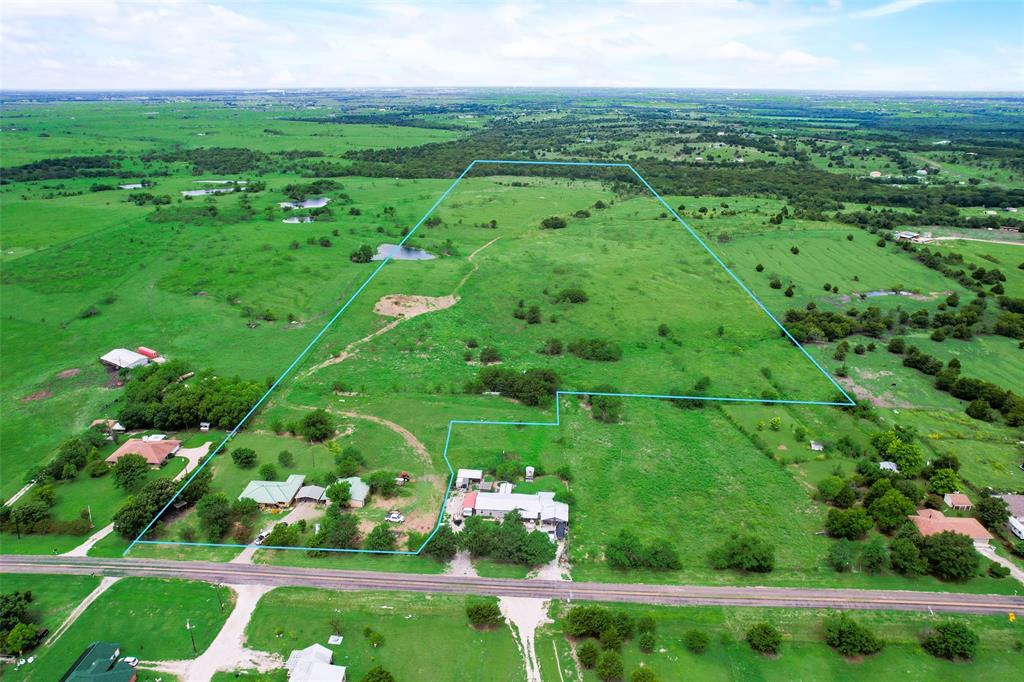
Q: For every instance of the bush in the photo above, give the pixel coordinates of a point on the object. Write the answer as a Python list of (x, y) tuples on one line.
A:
[(364, 254), (551, 347), (646, 642), (268, 472), (489, 356), (572, 295), (610, 639), (998, 571), (626, 551), (952, 640), (244, 458), (696, 641), (484, 613), (377, 673), (317, 426), (764, 638), (285, 459), (643, 675), (744, 553), (848, 523), (130, 471), (588, 654), (841, 555), (609, 667), (553, 223), (598, 350), (850, 638)]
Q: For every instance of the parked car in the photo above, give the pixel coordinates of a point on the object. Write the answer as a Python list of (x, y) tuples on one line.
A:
[(131, 660), (394, 517)]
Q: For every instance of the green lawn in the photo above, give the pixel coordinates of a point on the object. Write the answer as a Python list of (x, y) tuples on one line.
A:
[(425, 636), (146, 617), (803, 656)]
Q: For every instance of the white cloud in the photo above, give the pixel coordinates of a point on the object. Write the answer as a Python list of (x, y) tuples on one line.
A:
[(202, 44), (888, 8)]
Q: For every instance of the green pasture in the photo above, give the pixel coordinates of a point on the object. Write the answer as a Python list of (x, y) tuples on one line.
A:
[(412, 625), (146, 616), (803, 654)]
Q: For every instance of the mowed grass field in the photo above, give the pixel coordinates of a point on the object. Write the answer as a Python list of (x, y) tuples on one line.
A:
[(425, 636), (803, 655), (145, 616)]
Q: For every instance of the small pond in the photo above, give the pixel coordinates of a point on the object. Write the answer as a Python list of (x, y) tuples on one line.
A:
[(396, 252), (204, 192), (131, 185), (298, 219), (315, 202)]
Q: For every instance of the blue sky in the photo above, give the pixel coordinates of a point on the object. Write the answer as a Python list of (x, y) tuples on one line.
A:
[(944, 45)]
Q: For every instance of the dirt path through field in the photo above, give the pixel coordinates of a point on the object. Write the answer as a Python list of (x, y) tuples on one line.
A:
[(228, 650), (931, 240), (403, 307), (105, 584)]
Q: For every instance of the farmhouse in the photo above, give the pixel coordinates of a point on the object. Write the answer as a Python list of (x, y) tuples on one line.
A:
[(122, 358), (273, 493), (311, 493), (360, 491), (932, 521), (957, 501), (313, 664), (100, 662), (155, 452), (907, 236), (466, 477), (539, 507), (1015, 523)]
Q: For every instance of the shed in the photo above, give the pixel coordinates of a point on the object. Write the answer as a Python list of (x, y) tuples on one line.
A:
[(122, 358), (957, 500), (889, 466), (817, 447), (148, 352), (529, 473), (360, 491), (466, 477)]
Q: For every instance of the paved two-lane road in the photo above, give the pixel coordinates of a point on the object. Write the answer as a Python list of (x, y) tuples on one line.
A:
[(675, 595)]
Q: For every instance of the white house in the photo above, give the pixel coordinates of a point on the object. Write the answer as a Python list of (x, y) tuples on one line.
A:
[(122, 358), (313, 664), (1016, 521), (540, 507), (466, 477)]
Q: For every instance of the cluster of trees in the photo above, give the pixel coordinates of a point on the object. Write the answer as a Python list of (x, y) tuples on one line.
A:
[(32, 515), (18, 630), (532, 387), (216, 160), (217, 515), (63, 168), (604, 632), (364, 254), (849, 638), (606, 409), (156, 396), (626, 551), (74, 454), (145, 504), (743, 552), (553, 223), (508, 541), (812, 324), (984, 398)]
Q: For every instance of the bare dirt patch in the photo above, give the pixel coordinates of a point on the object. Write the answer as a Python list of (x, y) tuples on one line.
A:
[(402, 305), (38, 395), (68, 373), (886, 400)]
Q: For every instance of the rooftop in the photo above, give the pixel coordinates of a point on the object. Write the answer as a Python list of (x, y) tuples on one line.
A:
[(153, 451), (359, 489), (273, 492), (1015, 503), (932, 521), (540, 505)]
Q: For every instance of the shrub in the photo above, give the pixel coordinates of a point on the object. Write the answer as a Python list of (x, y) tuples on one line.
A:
[(952, 640), (364, 254), (643, 675), (841, 555), (610, 639), (998, 571), (130, 471), (551, 347), (850, 638), (553, 223), (744, 553), (848, 523), (268, 472), (572, 295), (244, 458), (646, 642), (484, 613), (489, 356), (285, 459), (764, 638), (598, 350), (626, 551), (696, 641), (609, 667), (317, 426), (950, 556), (588, 654)]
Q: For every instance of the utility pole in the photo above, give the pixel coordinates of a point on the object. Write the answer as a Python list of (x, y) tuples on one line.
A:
[(189, 627)]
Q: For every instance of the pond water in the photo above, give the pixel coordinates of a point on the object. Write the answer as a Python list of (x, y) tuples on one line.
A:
[(131, 185), (298, 219), (221, 182), (315, 202), (204, 192), (396, 252)]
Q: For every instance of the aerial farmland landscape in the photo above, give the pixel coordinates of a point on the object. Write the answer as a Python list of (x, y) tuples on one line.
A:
[(475, 371)]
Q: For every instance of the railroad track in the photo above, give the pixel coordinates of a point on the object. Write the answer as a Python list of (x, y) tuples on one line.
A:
[(675, 595)]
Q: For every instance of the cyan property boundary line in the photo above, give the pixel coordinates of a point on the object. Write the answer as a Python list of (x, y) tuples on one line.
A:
[(558, 412)]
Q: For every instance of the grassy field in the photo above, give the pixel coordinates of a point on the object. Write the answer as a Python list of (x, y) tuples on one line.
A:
[(146, 617), (804, 655), (421, 633)]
